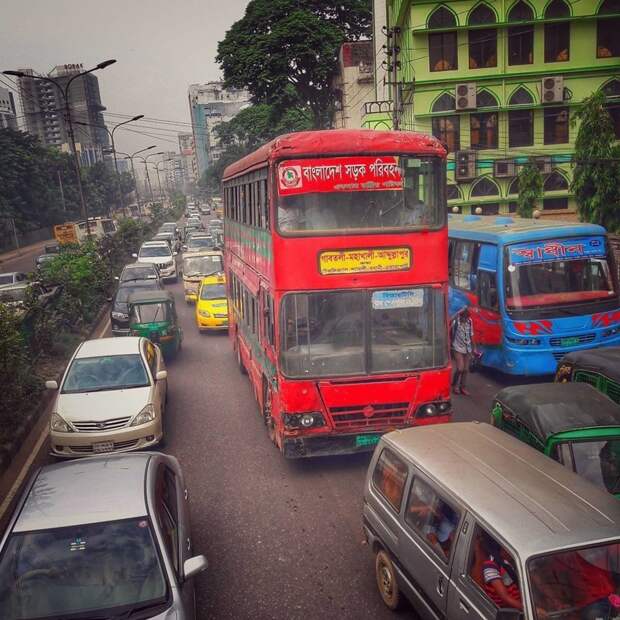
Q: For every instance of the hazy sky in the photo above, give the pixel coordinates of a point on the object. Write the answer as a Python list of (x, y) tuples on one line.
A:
[(160, 46)]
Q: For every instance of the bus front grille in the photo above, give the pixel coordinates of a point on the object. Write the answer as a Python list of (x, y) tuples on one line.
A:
[(369, 416)]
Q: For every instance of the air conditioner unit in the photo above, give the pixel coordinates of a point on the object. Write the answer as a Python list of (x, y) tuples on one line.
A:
[(504, 168), (552, 89), (544, 164), (465, 95), (465, 165)]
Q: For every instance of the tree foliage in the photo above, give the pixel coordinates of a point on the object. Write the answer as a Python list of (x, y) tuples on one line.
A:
[(285, 52), (596, 179), (35, 179), (530, 189)]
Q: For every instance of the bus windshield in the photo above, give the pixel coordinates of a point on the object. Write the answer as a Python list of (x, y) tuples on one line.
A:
[(362, 332), (557, 273), (341, 194)]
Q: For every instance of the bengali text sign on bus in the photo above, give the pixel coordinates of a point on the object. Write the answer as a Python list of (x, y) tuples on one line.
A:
[(339, 174), (556, 249), (65, 233), (364, 261)]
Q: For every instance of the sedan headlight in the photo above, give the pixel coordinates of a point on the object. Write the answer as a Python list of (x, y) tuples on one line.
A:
[(205, 313), (120, 316), (146, 415), (59, 425)]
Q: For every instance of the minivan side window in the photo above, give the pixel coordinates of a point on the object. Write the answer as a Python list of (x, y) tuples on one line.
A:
[(389, 478), (493, 569), (432, 517)]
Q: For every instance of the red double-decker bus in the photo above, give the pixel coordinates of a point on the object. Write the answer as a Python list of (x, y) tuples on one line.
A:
[(336, 252)]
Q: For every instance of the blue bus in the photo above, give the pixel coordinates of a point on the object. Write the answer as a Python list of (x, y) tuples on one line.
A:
[(535, 289)]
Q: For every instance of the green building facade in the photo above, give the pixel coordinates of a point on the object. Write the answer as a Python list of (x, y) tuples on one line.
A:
[(499, 82)]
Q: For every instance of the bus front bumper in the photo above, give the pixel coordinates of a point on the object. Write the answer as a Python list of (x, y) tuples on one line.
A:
[(334, 444)]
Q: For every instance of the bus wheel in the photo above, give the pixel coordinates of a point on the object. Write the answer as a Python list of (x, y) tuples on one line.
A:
[(386, 580), (267, 417), (242, 368)]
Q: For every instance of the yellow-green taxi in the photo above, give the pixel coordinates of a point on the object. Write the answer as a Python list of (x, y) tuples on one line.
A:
[(211, 305)]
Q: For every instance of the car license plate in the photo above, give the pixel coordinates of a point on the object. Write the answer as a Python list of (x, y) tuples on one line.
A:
[(569, 342), (362, 441), (103, 446)]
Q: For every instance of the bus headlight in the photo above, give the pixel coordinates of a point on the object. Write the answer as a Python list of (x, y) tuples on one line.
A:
[(204, 313), (313, 419), (430, 410), (524, 341)]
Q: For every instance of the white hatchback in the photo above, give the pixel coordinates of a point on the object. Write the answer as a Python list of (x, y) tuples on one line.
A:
[(111, 399)]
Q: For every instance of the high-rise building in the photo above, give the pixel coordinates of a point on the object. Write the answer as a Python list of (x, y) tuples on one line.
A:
[(44, 111), (211, 104), (175, 178), (188, 158), (8, 116), (499, 84)]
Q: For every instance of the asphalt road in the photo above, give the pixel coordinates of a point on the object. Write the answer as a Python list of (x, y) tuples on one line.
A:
[(283, 538), (24, 260)]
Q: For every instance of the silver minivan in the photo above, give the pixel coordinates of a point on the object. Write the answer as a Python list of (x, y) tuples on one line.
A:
[(104, 537), (467, 522)]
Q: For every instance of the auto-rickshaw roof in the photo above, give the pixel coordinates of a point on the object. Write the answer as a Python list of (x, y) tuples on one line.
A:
[(550, 408), (605, 361), (150, 297)]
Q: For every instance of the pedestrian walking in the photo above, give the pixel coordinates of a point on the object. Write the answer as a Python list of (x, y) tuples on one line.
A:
[(463, 349)]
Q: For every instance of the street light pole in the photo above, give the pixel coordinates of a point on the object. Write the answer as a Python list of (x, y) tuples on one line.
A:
[(65, 95), (163, 161), (111, 134), (133, 172), (146, 169)]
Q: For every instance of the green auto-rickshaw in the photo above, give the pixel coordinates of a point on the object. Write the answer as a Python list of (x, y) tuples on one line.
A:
[(573, 423), (152, 314)]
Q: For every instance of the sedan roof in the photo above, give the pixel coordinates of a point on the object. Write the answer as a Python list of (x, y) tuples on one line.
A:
[(109, 346), (93, 490)]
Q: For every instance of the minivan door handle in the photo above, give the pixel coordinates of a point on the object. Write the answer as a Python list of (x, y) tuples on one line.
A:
[(440, 585), (463, 606)]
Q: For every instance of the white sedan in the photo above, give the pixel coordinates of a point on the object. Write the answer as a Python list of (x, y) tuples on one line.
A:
[(111, 398)]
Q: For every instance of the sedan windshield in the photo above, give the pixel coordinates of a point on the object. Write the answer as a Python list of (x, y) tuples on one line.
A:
[(202, 266), (96, 570), (576, 584), (362, 193), (362, 332), (108, 372), (213, 291)]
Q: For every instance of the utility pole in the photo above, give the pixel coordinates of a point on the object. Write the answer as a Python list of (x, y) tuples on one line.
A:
[(392, 64), (62, 191)]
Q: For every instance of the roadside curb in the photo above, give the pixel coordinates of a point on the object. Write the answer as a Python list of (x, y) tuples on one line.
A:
[(35, 445)]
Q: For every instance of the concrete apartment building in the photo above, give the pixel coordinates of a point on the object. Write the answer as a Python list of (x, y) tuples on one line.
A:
[(498, 83), (354, 85), (211, 104), (43, 108), (8, 115)]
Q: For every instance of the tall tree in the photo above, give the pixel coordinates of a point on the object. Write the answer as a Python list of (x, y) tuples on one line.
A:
[(285, 52), (596, 179), (530, 189)]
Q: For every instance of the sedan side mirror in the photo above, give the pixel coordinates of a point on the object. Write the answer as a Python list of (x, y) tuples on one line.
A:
[(195, 565), (161, 375), (51, 385)]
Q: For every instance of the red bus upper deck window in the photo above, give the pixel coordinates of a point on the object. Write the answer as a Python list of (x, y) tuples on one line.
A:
[(341, 194)]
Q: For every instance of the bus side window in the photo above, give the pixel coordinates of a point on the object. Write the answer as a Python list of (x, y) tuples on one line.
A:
[(462, 265), (487, 290)]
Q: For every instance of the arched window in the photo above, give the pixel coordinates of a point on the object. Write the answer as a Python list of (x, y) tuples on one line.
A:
[(556, 125), (557, 34), (441, 19), (607, 39), (513, 188), (452, 192), (447, 128), (442, 46), (482, 41), (484, 99), (521, 38), (445, 103), (484, 187), (612, 92), (521, 96), (521, 122), (555, 182)]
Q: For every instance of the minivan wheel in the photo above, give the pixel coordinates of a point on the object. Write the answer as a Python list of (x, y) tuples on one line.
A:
[(386, 580)]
